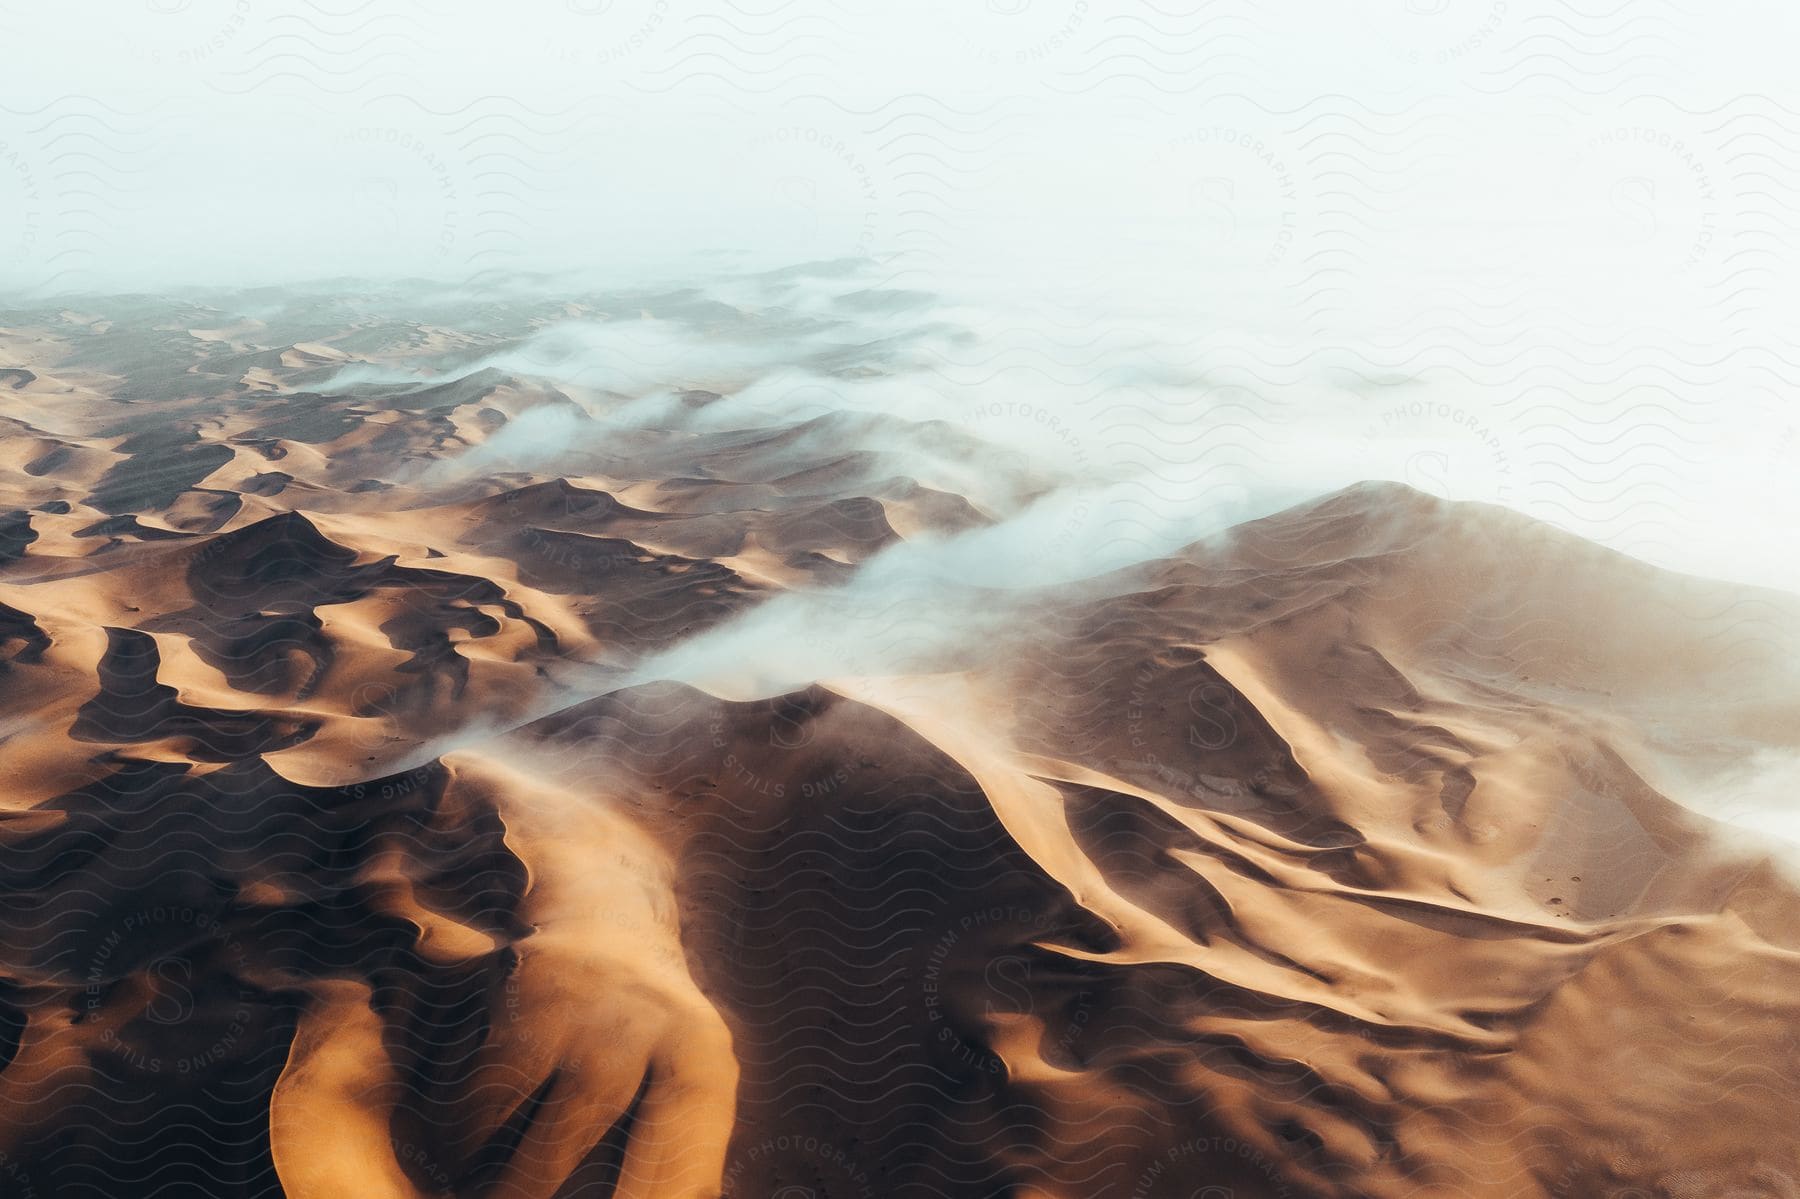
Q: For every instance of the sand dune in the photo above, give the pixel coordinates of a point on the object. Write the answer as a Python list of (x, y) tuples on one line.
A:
[(347, 849)]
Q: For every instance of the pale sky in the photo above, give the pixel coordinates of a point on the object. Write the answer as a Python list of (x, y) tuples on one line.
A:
[(1538, 253)]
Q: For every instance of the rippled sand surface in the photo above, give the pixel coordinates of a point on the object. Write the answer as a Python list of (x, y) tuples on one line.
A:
[(470, 783)]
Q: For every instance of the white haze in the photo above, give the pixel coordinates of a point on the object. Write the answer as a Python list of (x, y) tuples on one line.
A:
[(1184, 262)]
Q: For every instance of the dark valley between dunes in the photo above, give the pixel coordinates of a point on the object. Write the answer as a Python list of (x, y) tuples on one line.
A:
[(437, 767)]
